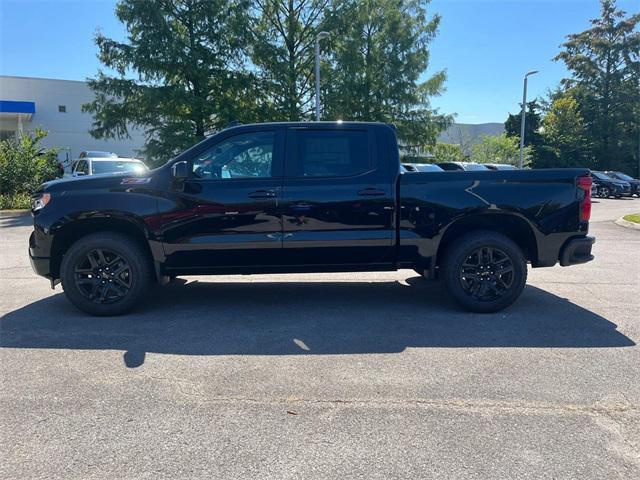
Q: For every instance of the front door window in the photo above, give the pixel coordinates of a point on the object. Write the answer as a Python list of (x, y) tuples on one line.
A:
[(245, 156)]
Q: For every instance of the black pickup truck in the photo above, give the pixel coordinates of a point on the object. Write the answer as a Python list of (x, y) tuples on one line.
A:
[(306, 197)]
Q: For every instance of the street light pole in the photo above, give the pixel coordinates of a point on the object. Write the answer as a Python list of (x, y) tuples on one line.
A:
[(319, 37), (523, 116)]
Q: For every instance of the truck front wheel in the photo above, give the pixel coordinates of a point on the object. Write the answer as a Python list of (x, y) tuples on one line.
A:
[(105, 273), (484, 271)]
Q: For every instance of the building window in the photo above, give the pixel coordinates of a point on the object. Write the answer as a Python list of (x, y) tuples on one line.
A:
[(7, 134), (62, 108)]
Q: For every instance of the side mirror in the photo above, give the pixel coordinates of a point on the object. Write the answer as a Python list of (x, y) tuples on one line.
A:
[(180, 170)]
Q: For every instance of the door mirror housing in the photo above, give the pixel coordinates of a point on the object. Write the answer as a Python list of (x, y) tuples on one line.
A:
[(180, 170)]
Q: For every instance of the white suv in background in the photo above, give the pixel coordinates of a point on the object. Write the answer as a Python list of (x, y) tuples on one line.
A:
[(97, 166)]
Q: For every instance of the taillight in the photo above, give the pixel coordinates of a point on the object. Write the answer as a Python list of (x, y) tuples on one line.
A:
[(585, 183)]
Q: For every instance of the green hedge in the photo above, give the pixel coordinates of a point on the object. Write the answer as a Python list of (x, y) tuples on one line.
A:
[(16, 201), (24, 165)]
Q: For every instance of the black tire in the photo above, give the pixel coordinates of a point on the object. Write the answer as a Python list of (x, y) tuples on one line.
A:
[(476, 283), (116, 287)]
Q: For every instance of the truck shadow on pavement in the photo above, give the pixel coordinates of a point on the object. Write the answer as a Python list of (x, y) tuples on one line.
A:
[(15, 220), (306, 318)]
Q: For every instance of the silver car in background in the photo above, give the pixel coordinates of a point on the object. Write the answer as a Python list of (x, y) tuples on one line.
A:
[(422, 167)]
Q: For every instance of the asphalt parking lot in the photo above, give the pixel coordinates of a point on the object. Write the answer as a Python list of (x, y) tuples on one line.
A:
[(333, 376)]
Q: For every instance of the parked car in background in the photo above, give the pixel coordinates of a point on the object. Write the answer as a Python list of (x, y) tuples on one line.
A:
[(422, 167), (634, 182), (97, 154), (605, 186), (500, 166), (462, 166), (97, 166)]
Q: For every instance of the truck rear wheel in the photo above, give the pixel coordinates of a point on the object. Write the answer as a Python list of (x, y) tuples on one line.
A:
[(484, 271), (105, 273)]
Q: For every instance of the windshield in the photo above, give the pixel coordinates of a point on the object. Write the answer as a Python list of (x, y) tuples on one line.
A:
[(428, 168), (622, 176), (474, 166), (118, 167), (601, 176), (94, 154)]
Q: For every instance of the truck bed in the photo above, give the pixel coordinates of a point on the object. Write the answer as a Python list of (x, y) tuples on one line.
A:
[(540, 205)]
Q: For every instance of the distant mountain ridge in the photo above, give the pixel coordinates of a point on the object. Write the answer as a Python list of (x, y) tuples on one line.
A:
[(469, 134)]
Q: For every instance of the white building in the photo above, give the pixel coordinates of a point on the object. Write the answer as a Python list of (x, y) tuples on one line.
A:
[(56, 106)]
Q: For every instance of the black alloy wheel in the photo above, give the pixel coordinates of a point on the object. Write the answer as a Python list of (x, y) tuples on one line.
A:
[(484, 271), (487, 274), (103, 276), (106, 273)]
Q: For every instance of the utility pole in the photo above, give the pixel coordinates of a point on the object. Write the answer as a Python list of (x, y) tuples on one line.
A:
[(320, 36), (523, 117)]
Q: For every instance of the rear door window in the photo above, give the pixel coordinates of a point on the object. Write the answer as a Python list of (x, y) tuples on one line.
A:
[(330, 153)]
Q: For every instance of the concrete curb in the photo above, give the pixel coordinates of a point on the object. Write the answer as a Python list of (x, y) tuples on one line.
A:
[(13, 213), (627, 224)]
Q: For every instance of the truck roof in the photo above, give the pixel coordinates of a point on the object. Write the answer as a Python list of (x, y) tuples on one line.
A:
[(333, 123)]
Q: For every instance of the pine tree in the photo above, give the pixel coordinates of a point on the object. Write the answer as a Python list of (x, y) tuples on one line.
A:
[(376, 60), (177, 74), (283, 52)]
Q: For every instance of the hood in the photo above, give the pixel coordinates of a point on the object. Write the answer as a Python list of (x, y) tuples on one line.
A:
[(110, 180)]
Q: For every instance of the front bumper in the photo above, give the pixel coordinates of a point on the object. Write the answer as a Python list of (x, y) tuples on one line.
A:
[(576, 251), (621, 192), (41, 265)]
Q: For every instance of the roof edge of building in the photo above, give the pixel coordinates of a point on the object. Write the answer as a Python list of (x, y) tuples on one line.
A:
[(42, 78)]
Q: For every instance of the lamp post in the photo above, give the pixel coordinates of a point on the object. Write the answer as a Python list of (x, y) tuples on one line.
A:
[(320, 36), (523, 116)]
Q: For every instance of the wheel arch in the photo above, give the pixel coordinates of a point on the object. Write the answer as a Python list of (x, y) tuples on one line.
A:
[(73, 231), (510, 225)]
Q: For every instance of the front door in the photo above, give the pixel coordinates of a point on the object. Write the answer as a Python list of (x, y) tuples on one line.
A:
[(337, 201), (228, 208)]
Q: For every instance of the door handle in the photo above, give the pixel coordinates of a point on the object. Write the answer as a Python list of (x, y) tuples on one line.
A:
[(262, 194), (371, 192)]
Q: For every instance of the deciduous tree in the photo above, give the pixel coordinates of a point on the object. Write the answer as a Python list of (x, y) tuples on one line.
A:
[(499, 149), (447, 152), (564, 131)]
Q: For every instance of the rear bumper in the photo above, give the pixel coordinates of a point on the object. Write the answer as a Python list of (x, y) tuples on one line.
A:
[(576, 251)]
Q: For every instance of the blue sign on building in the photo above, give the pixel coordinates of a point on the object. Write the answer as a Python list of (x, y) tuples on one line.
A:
[(11, 106)]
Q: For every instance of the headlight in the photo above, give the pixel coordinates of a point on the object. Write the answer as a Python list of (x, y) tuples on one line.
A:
[(40, 201)]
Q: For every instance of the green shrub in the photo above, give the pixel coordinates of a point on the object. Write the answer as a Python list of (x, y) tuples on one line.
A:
[(15, 201), (24, 164)]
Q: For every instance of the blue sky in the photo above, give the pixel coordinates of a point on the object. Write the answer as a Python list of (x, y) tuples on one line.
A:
[(486, 46)]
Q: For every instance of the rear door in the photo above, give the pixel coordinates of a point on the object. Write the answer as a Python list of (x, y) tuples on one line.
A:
[(338, 197)]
